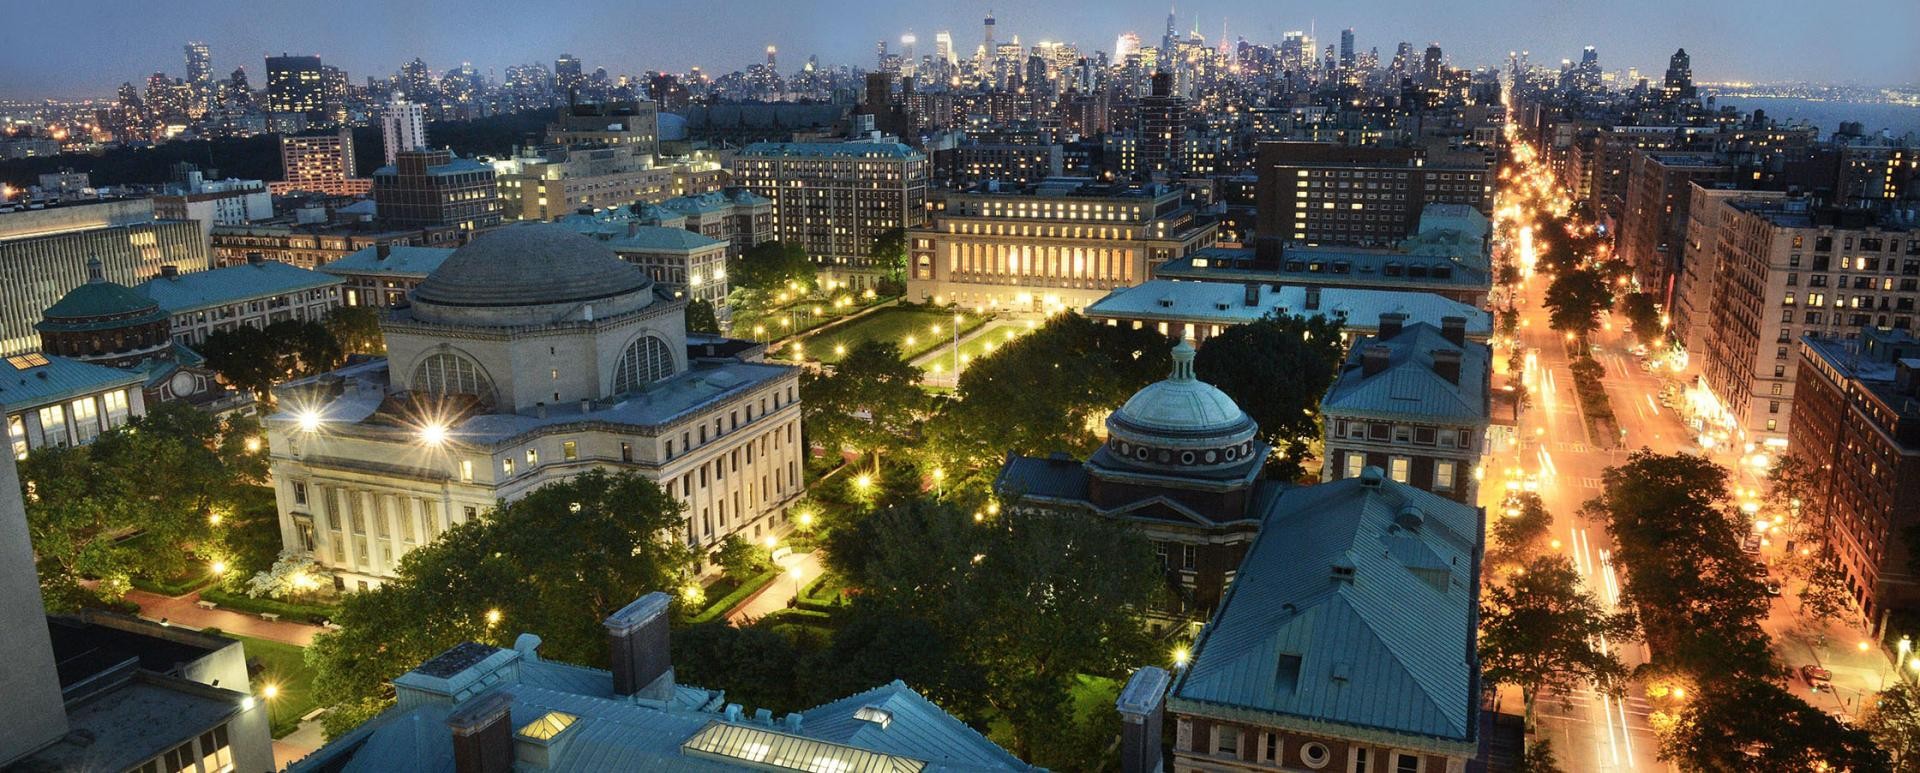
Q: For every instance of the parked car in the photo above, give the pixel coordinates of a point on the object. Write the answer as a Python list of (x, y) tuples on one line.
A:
[(1817, 678)]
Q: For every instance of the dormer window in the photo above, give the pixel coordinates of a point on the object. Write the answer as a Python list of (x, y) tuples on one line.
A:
[(874, 714)]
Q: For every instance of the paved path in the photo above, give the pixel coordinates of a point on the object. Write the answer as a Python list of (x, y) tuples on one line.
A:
[(776, 594), (182, 611), (297, 744)]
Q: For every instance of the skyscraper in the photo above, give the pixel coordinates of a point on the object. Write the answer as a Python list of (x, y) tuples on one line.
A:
[(199, 78), (1679, 83), (1346, 48), (943, 47), (294, 86), (1430, 67), (907, 57), (987, 41), (1163, 125), (567, 77), (404, 127)]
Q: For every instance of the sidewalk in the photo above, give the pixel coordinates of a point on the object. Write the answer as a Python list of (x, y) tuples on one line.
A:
[(1857, 673), (776, 594), (181, 610)]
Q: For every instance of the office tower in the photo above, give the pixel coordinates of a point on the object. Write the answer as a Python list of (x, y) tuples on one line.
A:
[(567, 76), (1430, 66), (1346, 48), (1857, 421), (416, 81), (943, 47), (1310, 192), (319, 163), (1126, 45), (1679, 81), (1027, 248), (772, 54), (835, 198), (908, 60), (333, 95), (294, 85), (987, 43), (1163, 126), (200, 78), (404, 127), (430, 188)]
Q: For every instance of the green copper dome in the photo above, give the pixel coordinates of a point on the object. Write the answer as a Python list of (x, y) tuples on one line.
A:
[(99, 301)]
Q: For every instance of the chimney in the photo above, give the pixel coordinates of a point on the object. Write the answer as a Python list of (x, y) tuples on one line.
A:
[(1454, 329), (483, 735), (1390, 324), (255, 259), (642, 661), (1142, 704), (170, 271), (1253, 295), (383, 250), (1313, 299), (1371, 475), (1446, 363), (1374, 359)]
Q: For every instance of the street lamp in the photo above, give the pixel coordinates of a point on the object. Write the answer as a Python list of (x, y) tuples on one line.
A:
[(794, 572), (309, 420)]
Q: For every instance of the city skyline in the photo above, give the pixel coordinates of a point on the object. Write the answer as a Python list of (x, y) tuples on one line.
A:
[(123, 47)]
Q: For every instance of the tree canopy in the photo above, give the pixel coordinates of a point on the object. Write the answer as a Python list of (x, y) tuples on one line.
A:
[(870, 402), (254, 359), (357, 329), (769, 266), (1644, 315), (1277, 369), (1575, 299), (555, 563), (1538, 627), (1752, 724), (700, 317)]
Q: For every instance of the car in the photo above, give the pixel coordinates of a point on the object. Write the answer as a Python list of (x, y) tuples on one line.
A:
[(1816, 677), (1773, 588)]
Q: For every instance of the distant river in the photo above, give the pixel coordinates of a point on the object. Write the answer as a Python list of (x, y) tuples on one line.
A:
[(1900, 119)]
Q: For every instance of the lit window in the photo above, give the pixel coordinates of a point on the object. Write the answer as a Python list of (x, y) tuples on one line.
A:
[(1397, 468)]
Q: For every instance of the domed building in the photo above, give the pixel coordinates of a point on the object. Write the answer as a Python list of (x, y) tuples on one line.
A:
[(111, 325), (529, 355), (1182, 461)]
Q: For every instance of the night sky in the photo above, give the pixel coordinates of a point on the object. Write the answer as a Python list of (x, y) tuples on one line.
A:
[(86, 48)]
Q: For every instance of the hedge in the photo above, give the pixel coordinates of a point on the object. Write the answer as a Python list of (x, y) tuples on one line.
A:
[(307, 613), (731, 600), (802, 617), (179, 586)]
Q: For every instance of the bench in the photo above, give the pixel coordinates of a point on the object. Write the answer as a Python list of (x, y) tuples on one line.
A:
[(270, 617), (205, 604)]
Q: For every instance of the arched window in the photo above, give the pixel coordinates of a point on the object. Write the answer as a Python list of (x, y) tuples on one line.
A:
[(645, 361), (450, 374)]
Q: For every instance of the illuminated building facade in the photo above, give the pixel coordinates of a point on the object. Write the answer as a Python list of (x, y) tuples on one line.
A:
[(1412, 399), (529, 355), (294, 85), (1062, 243), (1319, 193), (44, 253), (834, 199), (319, 163), (434, 188)]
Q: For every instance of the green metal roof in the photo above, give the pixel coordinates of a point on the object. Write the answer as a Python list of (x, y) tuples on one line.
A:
[(25, 385), (1355, 608), (401, 260), (653, 238), (1409, 388), (100, 298), (233, 284)]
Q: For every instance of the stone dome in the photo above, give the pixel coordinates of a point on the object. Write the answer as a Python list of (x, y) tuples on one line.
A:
[(530, 265), (1182, 423)]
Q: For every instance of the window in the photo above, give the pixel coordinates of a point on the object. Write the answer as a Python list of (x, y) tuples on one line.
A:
[(506, 467), (626, 451), (466, 470), (569, 450), (1397, 468), (1226, 740), (17, 431), (1160, 551), (1356, 463), (1360, 760), (468, 513), (1189, 557), (299, 492), (1406, 763), (115, 403), (533, 458), (450, 374), (1315, 754), (645, 361), (53, 425), (1442, 475)]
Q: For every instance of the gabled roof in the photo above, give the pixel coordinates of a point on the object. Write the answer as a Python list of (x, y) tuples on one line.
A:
[(402, 260), (1409, 387), (233, 284), (31, 380), (914, 727), (1387, 651), (1224, 303), (653, 238)]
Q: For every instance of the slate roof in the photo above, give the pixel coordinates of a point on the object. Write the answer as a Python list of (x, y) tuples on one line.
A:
[(402, 260), (918, 729), (1224, 303), (653, 238), (1409, 387), (60, 378), (233, 284), (1386, 654)]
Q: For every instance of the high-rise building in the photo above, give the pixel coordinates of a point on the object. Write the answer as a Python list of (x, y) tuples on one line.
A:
[(44, 253), (1326, 193), (294, 85), (1058, 244), (986, 41), (943, 47), (1346, 48), (199, 78), (1856, 418), (1412, 400), (835, 198), (1652, 231), (1783, 270), (1431, 66), (430, 188), (404, 127), (567, 76), (908, 59), (319, 163), (1163, 126), (1679, 80)]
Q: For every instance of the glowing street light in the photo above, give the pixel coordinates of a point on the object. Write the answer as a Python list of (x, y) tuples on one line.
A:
[(219, 567), (433, 433), (863, 481), (1181, 656), (270, 691), (493, 617), (309, 420)]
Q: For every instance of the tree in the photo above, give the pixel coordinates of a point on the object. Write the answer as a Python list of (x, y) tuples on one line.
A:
[(889, 253), (253, 359), (1792, 482), (1824, 597), (1751, 724), (770, 266), (1538, 758), (741, 559), (1045, 392), (293, 574), (1537, 630), (555, 562), (1644, 315), (1521, 532), (700, 317), (1277, 369), (100, 512), (1894, 723), (1575, 299), (357, 328), (869, 402)]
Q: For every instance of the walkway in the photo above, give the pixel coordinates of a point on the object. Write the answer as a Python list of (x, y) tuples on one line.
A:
[(778, 593), (181, 610)]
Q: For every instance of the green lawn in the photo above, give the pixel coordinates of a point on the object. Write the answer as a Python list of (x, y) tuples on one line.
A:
[(915, 330), (284, 666), (793, 317)]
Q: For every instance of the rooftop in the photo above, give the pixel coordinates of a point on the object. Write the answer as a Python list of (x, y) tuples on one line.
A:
[(134, 721), (1354, 612), (1225, 303), (529, 264), (887, 149), (30, 380), (653, 238), (1347, 265), (401, 261), (234, 284), (1409, 386)]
